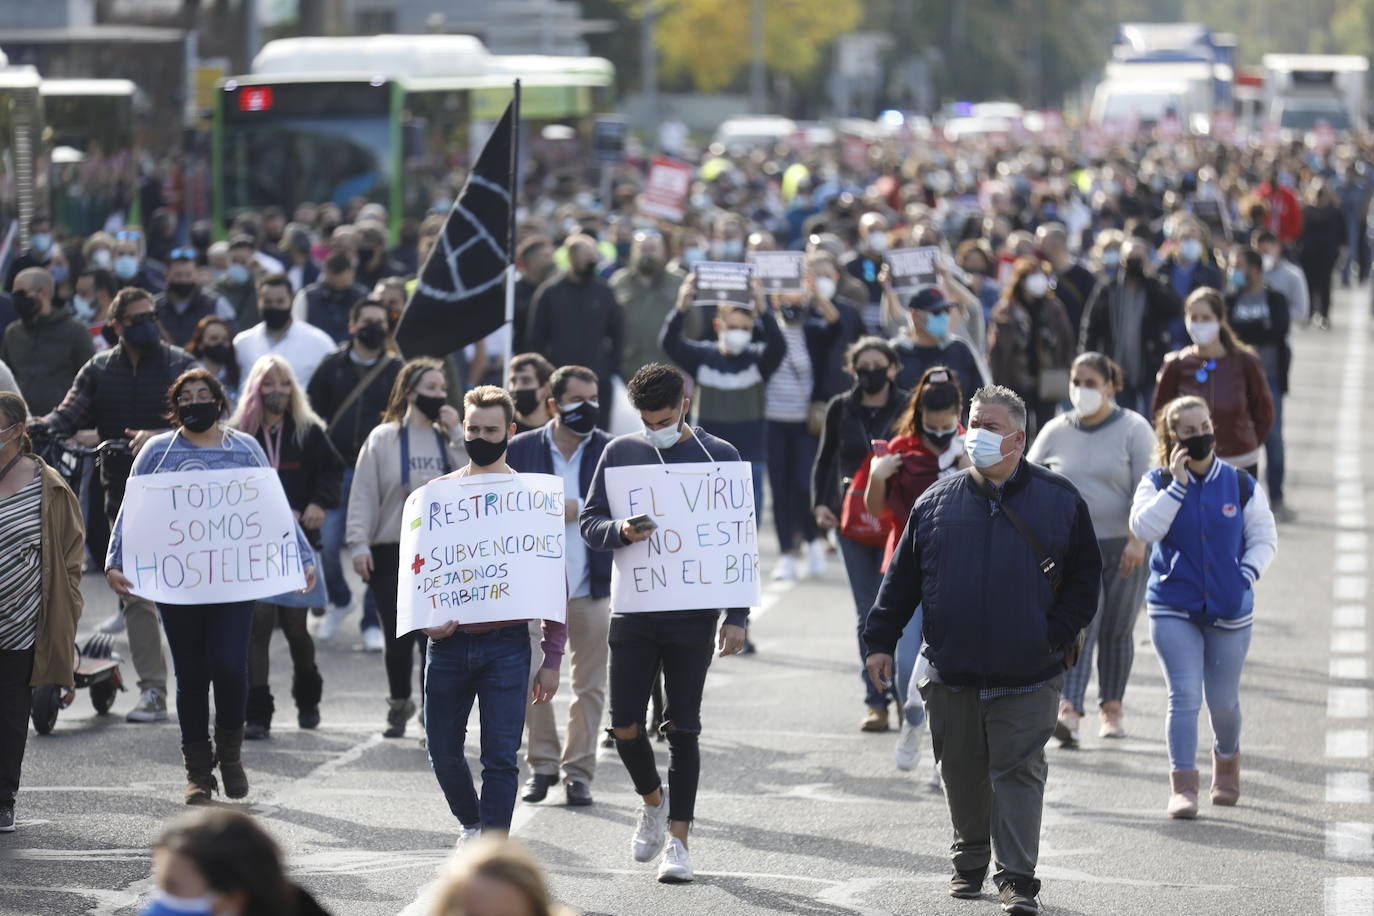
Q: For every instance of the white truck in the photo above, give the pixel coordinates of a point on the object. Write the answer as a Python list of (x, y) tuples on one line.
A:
[(1305, 91)]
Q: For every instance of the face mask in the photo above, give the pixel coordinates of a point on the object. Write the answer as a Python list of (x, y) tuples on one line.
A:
[(664, 438), (648, 266), (792, 313), (277, 402), (217, 353), (1111, 259), (142, 337), (1087, 401), (483, 453), (691, 256), (736, 340), (101, 258), (126, 267), (1199, 446), (1204, 333), (84, 308), (276, 319), (1036, 286), (164, 904), (983, 447), (825, 288), (60, 275), (1135, 269), (937, 326), (198, 417), (429, 405), (1190, 250), (872, 380), (181, 290), (1270, 262), (877, 242), (371, 335), (580, 417), (40, 242), (732, 248), (526, 400), (940, 439), (26, 305), (237, 274), (365, 254), (1237, 279)]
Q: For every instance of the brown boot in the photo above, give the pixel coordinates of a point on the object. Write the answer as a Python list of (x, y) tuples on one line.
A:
[(876, 720), (1183, 802), (1225, 779), (200, 772), (228, 745)]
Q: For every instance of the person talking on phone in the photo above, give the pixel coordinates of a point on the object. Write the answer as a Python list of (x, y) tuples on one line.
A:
[(680, 642), (1004, 562)]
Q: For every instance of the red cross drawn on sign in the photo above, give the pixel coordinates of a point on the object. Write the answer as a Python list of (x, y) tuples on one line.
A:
[(418, 565)]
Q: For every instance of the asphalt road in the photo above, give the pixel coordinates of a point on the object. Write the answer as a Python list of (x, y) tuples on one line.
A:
[(799, 812)]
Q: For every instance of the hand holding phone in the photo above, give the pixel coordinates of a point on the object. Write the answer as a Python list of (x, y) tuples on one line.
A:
[(637, 528)]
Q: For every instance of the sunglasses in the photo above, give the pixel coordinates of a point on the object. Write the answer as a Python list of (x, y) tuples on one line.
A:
[(183, 254), (1204, 373), (128, 235), (134, 321)]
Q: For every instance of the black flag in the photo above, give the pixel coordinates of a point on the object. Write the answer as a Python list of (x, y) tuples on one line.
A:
[(461, 293)]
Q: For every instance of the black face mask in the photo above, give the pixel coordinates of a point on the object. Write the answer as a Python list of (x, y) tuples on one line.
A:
[(580, 418), (792, 313), (585, 271), (429, 405), (182, 290), (276, 403), (871, 381), (940, 440), (1199, 446), (198, 417), (217, 353), (26, 305), (483, 453), (371, 336), (143, 337), (276, 319), (365, 255), (526, 400), (1135, 268)]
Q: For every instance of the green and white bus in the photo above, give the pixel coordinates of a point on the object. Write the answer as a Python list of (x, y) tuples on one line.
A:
[(394, 119)]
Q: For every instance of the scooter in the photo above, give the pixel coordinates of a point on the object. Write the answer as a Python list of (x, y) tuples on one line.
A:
[(95, 666)]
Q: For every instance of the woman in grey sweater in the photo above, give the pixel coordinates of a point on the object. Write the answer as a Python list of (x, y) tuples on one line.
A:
[(1104, 450)]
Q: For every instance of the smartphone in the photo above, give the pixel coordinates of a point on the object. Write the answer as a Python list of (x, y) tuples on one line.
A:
[(879, 446), (641, 523)]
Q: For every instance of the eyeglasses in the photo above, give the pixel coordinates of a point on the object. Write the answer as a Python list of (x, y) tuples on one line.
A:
[(128, 235), (133, 321), (183, 254), (1202, 374), (185, 400)]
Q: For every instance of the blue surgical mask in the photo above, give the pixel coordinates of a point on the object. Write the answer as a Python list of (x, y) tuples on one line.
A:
[(84, 308), (1111, 258), (937, 326), (692, 256), (983, 447), (1190, 250), (664, 438), (126, 267), (40, 242), (1237, 279), (164, 904), (60, 274), (237, 274)]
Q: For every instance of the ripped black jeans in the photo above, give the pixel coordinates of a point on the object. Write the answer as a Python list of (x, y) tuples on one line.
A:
[(682, 643)]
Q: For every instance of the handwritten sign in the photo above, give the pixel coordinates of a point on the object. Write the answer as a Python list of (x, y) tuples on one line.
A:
[(666, 189), (482, 549), (704, 552), (913, 269), (210, 537), (779, 271), (723, 282)]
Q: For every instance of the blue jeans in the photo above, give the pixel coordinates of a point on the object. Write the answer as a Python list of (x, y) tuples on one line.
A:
[(494, 670), (210, 645), (332, 541), (908, 650), (1273, 447), (1200, 660), (863, 566)]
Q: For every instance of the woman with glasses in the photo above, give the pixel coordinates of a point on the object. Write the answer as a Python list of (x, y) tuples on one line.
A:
[(209, 642), (1226, 374)]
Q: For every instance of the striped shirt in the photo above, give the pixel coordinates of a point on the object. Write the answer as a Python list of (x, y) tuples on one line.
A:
[(21, 564), (789, 388)]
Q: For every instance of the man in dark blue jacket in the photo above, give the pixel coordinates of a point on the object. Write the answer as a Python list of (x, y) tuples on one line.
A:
[(570, 446), (1000, 618)]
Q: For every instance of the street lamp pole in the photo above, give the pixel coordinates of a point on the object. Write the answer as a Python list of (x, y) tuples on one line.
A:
[(758, 100)]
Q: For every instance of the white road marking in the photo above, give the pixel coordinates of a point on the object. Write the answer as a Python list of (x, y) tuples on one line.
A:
[(1351, 563), (1349, 669), (1347, 788), (1352, 540), (1350, 841), (1348, 642), (1347, 702), (1347, 743), (1350, 588), (1348, 615), (1350, 897)]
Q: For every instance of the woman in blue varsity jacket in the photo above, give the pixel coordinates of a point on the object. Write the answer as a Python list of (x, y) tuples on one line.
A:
[(1213, 536)]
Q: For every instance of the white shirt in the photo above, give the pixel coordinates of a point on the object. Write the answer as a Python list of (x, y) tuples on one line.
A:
[(303, 345)]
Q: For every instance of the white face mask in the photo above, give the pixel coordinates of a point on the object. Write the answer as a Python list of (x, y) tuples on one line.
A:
[(666, 437), (825, 288), (877, 241), (1204, 333), (1270, 262), (1036, 285), (736, 340), (1087, 401), (983, 447)]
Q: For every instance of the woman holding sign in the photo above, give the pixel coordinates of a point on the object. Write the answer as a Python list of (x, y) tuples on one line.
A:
[(209, 641), (412, 445)]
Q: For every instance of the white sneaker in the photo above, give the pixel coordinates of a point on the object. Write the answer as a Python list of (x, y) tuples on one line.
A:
[(112, 624), (466, 837), (151, 707), (815, 558), (373, 640), (329, 624), (786, 570), (935, 783), (653, 826), (908, 752), (676, 867)]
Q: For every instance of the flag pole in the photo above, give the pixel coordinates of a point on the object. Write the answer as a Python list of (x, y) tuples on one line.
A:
[(514, 197)]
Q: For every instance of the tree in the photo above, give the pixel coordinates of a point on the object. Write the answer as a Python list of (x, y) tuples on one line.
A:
[(710, 41)]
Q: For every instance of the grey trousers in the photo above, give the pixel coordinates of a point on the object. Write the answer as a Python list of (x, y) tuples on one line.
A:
[(991, 755), (1111, 631), (144, 629)]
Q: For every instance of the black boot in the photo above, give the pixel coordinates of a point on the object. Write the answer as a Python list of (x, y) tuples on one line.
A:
[(228, 746), (199, 758), (306, 688), (260, 708)]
